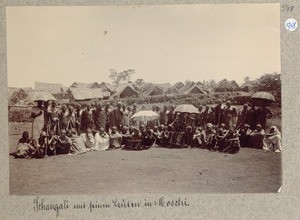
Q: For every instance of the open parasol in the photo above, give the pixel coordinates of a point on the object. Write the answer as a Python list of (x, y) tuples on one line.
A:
[(187, 108), (41, 96), (262, 98), (144, 116)]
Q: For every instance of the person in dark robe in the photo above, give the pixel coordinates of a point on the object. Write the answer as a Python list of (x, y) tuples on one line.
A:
[(99, 117), (116, 117), (199, 117), (244, 134), (78, 113), (86, 119), (218, 114), (262, 116), (147, 136), (220, 139), (243, 115), (107, 111), (165, 136), (171, 115), (256, 137), (206, 116), (163, 116), (253, 117), (188, 136), (232, 143), (135, 140)]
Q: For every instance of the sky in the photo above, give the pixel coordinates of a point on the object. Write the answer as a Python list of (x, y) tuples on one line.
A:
[(169, 43)]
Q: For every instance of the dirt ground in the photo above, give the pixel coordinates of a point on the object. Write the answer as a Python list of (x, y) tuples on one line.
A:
[(157, 170)]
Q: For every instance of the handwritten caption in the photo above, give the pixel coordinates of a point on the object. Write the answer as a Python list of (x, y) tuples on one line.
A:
[(42, 205)]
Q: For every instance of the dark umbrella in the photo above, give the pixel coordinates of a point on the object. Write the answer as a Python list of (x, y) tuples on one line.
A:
[(263, 98)]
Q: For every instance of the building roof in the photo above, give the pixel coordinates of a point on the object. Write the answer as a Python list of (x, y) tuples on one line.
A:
[(248, 83), (222, 83), (79, 85), (105, 87), (126, 90), (195, 90), (153, 90), (186, 86), (86, 94), (53, 88), (234, 83)]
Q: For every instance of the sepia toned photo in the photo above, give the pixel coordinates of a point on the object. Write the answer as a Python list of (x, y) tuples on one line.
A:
[(144, 99)]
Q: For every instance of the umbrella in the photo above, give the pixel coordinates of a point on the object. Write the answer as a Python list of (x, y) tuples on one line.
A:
[(41, 95), (143, 116), (186, 108), (263, 96)]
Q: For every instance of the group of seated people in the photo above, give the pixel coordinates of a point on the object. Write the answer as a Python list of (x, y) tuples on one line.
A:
[(213, 138)]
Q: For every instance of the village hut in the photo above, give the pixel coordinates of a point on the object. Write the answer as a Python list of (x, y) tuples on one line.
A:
[(195, 90), (125, 91), (153, 90), (76, 95), (224, 86), (53, 88), (247, 86)]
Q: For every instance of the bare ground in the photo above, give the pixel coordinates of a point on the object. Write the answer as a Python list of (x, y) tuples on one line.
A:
[(157, 170)]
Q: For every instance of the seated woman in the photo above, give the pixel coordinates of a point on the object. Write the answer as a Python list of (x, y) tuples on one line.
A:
[(210, 137), (198, 139), (135, 140), (52, 142), (41, 149), (273, 140), (115, 138), (256, 138), (88, 139), (125, 136), (177, 137), (147, 137), (155, 135), (220, 139), (244, 135), (64, 145), (165, 136), (24, 147), (232, 143), (188, 136), (101, 140)]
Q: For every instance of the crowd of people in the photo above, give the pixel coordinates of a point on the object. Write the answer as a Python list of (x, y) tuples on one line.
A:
[(73, 129)]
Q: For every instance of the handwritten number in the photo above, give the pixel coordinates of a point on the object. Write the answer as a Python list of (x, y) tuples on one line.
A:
[(287, 8)]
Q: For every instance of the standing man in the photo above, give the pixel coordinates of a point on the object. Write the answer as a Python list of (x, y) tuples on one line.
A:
[(243, 116), (163, 116), (218, 114), (171, 115), (116, 117), (230, 115)]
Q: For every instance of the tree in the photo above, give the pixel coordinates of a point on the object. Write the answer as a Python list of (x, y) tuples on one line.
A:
[(139, 82), (268, 82), (119, 77), (212, 83), (247, 79)]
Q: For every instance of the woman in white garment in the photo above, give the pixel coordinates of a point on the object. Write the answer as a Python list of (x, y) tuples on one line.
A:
[(101, 140), (273, 141)]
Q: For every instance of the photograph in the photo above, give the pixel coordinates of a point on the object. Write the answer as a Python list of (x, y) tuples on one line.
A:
[(144, 99)]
